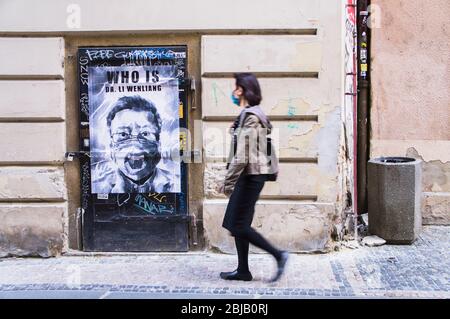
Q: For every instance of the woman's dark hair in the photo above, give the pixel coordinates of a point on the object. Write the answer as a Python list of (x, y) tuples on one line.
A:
[(249, 83)]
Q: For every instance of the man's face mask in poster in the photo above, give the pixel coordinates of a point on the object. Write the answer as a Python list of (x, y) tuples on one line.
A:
[(135, 145)]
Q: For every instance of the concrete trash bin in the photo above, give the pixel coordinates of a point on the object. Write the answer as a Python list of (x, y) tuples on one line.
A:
[(394, 198)]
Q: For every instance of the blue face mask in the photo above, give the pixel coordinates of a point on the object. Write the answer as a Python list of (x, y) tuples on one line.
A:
[(235, 99)]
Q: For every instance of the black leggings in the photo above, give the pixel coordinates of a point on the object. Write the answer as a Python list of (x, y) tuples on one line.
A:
[(239, 216), (242, 245)]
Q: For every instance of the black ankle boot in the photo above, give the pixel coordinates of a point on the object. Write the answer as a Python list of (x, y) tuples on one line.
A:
[(235, 275)]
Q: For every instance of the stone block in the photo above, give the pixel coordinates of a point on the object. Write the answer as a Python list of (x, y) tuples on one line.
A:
[(31, 229), (32, 56), (436, 208), (33, 142), (32, 99), (32, 183), (286, 53), (291, 225)]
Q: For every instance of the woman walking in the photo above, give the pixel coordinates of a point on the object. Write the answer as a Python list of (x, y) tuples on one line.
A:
[(253, 162)]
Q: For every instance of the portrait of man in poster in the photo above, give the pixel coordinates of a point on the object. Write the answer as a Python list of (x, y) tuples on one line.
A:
[(134, 129)]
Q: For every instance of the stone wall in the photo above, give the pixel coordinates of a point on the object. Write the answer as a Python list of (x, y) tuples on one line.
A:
[(294, 46), (301, 78), (32, 121)]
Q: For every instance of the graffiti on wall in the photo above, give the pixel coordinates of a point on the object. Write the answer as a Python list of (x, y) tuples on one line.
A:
[(149, 206), (350, 85)]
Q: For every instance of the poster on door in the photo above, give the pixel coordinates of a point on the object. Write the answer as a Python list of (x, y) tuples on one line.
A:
[(134, 129)]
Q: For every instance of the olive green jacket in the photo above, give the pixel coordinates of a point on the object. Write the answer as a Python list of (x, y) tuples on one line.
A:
[(251, 149)]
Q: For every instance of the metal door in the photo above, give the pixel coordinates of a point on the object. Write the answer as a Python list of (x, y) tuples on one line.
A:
[(132, 111)]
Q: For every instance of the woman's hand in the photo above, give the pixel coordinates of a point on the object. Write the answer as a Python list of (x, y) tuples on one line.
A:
[(222, 190)]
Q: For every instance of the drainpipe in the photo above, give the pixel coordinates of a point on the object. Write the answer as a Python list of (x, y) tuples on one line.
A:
[(363, 57), (351, 13)]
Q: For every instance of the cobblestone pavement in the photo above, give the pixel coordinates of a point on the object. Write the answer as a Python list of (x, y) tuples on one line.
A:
[(421, 270)]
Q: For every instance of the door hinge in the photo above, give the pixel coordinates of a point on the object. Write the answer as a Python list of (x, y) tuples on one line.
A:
[(79, 220), (192, 89), (193, 220)]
